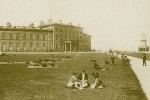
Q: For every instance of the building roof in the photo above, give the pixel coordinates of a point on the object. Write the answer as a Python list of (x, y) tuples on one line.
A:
[(60, 24), (22, 28)]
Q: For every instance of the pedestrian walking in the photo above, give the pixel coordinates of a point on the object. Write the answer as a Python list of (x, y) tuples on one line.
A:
[(144, 59)]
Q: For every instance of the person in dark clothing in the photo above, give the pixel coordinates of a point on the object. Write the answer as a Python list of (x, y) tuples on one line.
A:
[(97, 67), (83, 78), (97, 81), (106, 61), (144, 59), (112, 60)]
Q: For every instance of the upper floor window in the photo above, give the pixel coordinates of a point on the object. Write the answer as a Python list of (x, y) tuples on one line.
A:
[(31, 36), (10, 36), (60, 29), (3, 36), (43, 36), (57, 29), (37, 37), (57, 36), (17, 36), (24, 36)]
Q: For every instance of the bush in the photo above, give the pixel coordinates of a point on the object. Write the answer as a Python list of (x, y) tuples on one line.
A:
[(3, 54)]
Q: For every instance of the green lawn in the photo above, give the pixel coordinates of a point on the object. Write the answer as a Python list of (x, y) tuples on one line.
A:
[(20, 83)]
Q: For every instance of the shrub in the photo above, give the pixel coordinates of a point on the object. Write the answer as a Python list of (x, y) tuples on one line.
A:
[(3, 54)]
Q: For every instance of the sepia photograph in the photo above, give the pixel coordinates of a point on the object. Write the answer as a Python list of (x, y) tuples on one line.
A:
[(74, 49)]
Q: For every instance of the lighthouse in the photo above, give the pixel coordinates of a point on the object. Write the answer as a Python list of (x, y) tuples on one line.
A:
[(144, 47)]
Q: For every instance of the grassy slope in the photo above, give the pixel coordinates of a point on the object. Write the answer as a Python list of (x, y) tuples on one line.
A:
[(20, 83)]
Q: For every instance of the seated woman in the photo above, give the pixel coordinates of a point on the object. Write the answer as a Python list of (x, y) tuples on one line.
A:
[(73, 83), (97, 81)]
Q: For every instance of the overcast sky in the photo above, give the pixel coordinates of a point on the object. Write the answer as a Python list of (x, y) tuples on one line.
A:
[(115, 24)]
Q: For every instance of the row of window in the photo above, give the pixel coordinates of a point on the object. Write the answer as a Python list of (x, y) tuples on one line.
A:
[(143, 49), (24, 45), (23, 36), (65, 36), (70, 30)]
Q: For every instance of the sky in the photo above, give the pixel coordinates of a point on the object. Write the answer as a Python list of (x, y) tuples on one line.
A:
[(113, 24)]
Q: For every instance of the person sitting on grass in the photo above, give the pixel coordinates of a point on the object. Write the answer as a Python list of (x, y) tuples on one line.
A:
[(106, 61), (93, 60), (122, 57), (97, 67), (112, 60), (73, 83), (97, 81), (83, 78), (127, 61)]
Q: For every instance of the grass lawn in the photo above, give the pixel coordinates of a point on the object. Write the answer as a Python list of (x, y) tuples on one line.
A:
[(29, 57), (20, 83)]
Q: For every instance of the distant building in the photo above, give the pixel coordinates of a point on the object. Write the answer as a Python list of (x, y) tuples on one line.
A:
[(144, 47), (45, 38)]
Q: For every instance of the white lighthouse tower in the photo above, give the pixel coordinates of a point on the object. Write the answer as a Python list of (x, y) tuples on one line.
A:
[(144, 47)]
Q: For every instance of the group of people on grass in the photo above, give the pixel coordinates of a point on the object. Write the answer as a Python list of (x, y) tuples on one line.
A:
[(125, 60), (80, 81), (98, 67)]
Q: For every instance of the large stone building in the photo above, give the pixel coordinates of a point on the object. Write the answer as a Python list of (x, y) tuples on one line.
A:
[(68, 37), (45, 38)]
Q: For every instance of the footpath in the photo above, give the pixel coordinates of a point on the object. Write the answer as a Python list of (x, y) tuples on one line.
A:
[(142, 73)]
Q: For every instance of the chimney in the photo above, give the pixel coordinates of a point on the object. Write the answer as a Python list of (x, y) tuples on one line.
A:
[(70, 23), (60, 22), (41, 23), (8, 24), (49, 21), (32, 25)]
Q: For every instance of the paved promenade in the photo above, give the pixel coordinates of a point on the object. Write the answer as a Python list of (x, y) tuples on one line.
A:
[(142, 73)]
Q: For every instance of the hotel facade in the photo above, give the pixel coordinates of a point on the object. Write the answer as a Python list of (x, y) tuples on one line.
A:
[(50, 37)]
